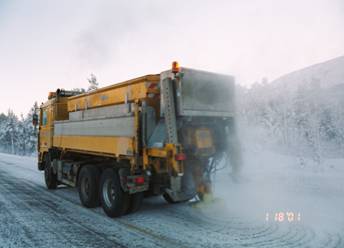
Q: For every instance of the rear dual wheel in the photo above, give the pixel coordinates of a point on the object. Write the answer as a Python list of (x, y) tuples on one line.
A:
[(114, 200), (106, 189), (88, 186)]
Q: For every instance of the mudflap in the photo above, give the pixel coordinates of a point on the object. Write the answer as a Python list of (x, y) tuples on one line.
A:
[(182, 188)]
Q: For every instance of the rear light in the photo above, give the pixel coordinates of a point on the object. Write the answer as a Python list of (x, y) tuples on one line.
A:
[(139, 180), (180, 157)]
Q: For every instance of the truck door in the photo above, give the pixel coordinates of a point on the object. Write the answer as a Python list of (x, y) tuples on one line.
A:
[(46, 128)]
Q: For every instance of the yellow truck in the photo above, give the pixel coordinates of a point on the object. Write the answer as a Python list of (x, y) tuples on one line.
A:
[(161, 134)]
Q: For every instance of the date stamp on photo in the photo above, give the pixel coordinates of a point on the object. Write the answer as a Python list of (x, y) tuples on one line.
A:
[(282, 216)]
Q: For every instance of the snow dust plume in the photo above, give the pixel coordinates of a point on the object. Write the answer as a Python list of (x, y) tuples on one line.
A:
[(271, 183), (292, 148)]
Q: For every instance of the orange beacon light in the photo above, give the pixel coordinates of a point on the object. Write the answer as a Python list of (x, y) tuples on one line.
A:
[(175, 67)]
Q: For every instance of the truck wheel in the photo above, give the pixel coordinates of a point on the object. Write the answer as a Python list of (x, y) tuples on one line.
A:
[(49, 175), (113, 199), (88, 186), (135, 201)]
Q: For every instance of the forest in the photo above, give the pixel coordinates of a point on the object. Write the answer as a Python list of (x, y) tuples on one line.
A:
[(17, 134), (302, 118)]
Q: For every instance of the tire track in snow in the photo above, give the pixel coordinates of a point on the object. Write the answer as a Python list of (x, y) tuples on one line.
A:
[(46, 198), (39, 217), (155, 226)]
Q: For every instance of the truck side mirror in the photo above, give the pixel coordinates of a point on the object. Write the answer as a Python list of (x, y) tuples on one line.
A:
[(34, 120)]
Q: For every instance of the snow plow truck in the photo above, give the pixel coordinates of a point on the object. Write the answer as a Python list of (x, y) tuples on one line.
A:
[(161, 134)]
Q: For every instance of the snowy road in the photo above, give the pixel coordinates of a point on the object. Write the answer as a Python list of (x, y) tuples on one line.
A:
[(31, 216)]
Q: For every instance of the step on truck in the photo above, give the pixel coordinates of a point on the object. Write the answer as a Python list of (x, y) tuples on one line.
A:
[(161, 134)]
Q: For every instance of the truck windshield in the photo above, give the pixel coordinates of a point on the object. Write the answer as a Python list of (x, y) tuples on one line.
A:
[(207, 92)]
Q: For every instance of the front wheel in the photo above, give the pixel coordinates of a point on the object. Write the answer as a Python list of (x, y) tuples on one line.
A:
[(49, 175), (114, 200)]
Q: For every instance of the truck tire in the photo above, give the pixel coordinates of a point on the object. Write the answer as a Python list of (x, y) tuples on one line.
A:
[(40, 166), (49, 176), (114, 200), (88, 186), (135, 201)]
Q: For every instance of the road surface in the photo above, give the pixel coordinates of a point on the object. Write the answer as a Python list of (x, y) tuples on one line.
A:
[(32, 216)]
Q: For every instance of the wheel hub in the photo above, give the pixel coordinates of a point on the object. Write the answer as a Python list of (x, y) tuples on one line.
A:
[(108, 192)]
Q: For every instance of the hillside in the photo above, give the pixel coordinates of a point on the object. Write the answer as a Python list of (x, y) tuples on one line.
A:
[(324, 75), (301, 112)]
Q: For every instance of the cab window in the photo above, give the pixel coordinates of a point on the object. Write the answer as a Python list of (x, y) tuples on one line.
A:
[(44, 118)]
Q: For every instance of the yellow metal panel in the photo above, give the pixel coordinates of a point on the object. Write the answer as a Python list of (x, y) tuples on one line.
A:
[(157, 152), (46, 131), (172, 150), (60, 109), (98, 144), (45, 139), (115, 94), (203, 138)]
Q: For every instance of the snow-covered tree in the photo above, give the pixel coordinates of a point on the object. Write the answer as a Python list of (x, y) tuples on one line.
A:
[(29, 130), (303, 119), (17, 135), (9, 135), (93, 83)]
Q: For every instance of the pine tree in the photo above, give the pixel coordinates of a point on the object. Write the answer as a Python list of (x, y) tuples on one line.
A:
[(17, 135), (93, 83), (31, 133), (3, 121), (10, 135)]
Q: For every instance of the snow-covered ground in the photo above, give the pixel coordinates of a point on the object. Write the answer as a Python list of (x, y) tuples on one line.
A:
[(273, 183), (31, 216)]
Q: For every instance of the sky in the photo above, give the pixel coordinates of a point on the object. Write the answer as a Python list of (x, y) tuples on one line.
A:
[(45, 45)]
